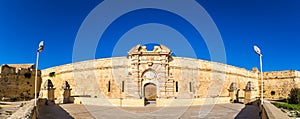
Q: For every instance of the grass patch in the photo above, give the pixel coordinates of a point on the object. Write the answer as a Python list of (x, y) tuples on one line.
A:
[(287, 106)]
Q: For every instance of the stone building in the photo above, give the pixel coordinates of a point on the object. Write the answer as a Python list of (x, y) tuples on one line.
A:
[(146, 76), (17, 82)]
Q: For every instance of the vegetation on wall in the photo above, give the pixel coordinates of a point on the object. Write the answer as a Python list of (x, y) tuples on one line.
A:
[(52, 74)]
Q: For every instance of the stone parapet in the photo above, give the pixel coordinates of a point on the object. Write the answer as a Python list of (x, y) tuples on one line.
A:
[(281, 74), (214, 67), (25, 112), (272, 112)]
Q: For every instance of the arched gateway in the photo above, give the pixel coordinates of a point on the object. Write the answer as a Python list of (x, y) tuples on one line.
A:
[(150, 93)]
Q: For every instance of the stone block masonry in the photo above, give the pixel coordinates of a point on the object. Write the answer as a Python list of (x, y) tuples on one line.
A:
[(142, 77), (17, 82), (127, 78)]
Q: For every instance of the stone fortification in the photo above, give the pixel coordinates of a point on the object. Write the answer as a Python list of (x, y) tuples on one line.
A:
[(144, 77), (150, 76), (17, 82), (277, 84)]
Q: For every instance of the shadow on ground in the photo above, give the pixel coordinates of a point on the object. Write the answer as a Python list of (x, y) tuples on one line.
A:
[(248, 112), (53, 112)]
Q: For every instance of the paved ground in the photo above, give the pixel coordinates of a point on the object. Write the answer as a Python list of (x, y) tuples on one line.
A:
[(7, 108), (219, 111)]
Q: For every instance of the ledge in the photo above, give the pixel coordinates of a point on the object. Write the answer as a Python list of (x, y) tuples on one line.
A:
[(273, 112)]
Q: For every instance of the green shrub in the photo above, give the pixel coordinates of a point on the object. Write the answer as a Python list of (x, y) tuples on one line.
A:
[(52, 74), (294, 97), (286, 106)]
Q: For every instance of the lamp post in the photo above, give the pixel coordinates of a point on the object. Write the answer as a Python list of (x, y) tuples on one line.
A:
[(41, 47), (257, 51)]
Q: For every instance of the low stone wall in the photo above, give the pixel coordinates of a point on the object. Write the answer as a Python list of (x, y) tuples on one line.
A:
[(140, 102), (25, 112), (272, 112), (188, 102)]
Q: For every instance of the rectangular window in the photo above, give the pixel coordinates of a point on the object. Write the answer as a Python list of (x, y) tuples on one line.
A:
[(190, 86), (108, 88), (176, 86), (122, 86)]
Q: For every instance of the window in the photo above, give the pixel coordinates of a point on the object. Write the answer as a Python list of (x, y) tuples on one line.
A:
[(190, 86), (149, 75), (108, 87), (122, 86), (176, 86)]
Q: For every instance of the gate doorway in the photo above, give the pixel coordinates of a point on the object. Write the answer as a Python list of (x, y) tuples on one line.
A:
[(150, 93)]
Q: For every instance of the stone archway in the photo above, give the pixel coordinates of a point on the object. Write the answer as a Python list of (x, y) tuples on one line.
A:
[(150, 93)]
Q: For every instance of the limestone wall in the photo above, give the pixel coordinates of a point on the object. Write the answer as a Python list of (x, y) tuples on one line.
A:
[(195, 78), (89, 78), (277, 84), (17, 82), (209, 79)]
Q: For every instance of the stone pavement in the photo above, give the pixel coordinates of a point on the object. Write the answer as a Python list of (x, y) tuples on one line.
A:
[(53, 112), (218, 111), (8, 108)]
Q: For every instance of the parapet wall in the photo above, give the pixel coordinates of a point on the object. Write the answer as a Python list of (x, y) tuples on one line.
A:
[(281, 74)]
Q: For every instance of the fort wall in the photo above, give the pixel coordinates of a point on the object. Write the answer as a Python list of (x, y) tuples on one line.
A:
[(143, 77), (17, 82), (196, 78), (278, 84)]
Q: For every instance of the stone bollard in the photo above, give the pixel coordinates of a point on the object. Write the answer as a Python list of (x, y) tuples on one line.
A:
[(50, 92), (67, 92), (233, 92), (51, 97), (67, 95), (249, 92)]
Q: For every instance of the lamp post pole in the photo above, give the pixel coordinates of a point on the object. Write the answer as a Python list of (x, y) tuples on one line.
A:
[(257, 50), (41, 47)]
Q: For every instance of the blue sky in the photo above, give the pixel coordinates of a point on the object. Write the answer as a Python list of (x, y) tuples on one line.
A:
[(273, 25)]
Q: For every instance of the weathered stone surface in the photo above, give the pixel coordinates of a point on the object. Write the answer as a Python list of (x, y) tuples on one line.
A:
[(25, 112), (17, 82), (175, 77), (126, 77), (277, 84)]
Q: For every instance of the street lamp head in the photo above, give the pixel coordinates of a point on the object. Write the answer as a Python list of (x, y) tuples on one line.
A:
[(41, 46), (257, 50)]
